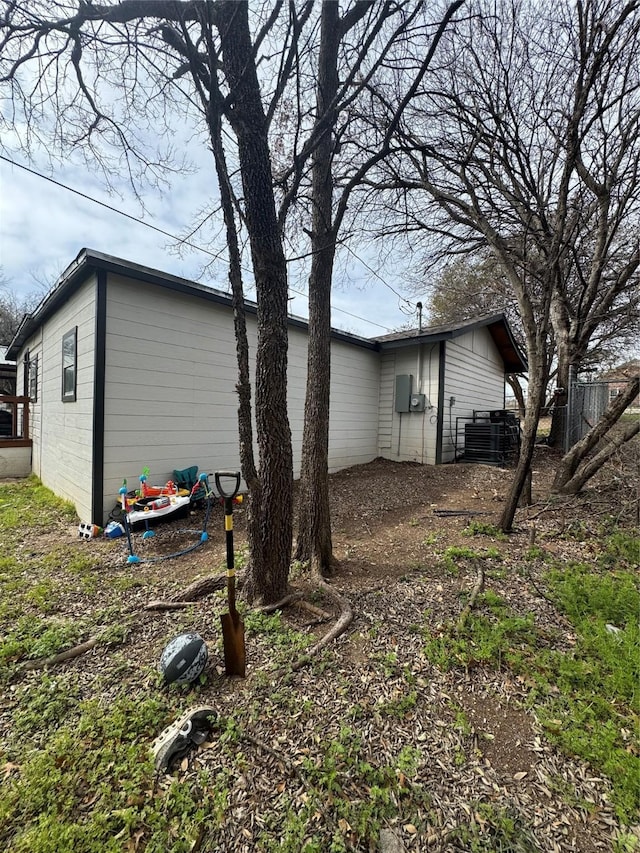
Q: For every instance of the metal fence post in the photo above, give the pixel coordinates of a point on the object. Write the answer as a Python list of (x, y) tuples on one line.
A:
[(570, 407)]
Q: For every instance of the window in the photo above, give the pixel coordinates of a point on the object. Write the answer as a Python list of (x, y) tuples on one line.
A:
[(33, 379), (69, 343), (30, 376), (25, 373)]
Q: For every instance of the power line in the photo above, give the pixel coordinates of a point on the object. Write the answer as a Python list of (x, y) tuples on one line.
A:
[(378, 276), (109, 207), (184, 242)]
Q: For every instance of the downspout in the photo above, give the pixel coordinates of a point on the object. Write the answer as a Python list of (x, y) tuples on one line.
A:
[(99, 353), (38, 473), (440, 420), (419, 376)]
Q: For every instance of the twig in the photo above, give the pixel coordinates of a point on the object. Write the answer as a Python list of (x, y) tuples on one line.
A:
[(293, 771), (475, 592), (540, 592)]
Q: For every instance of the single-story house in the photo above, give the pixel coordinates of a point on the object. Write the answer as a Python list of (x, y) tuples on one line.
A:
[(129, 367)]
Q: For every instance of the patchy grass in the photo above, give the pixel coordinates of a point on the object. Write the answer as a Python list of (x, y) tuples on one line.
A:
[(493, 829), (96, 764), (75, 758), (588, 698), (481, 528), (27, 503), (454, 555)]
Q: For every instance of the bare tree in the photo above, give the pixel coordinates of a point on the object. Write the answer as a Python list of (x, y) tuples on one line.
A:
[(11, 310), (578, 465), (61, 65), (468, 288), (386, 44), (525, 140)]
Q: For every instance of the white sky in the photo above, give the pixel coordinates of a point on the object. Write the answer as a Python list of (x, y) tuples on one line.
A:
[(43, 227)]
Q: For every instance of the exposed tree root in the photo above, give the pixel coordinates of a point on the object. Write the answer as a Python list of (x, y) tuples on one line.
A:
[(324, 615), (205, 586), (198, 589), (475, 592), (278, 605), (339, 627)]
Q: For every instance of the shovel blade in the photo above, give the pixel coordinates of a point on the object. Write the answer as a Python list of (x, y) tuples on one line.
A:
[(233, 641)]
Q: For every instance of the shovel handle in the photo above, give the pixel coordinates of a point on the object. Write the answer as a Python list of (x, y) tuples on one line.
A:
[(234, 475)]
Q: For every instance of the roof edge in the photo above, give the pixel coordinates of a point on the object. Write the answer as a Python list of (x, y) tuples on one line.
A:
[(514, 360), (90, 260)]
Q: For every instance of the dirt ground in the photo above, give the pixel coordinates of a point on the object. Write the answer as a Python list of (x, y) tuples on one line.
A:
[(391, 524)]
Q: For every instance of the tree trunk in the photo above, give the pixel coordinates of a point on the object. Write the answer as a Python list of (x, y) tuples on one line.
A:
[(560, 324), (518, 393), (570, 461), (521, 477), (593, 465), (269, 573), (560, 401), (245, 428), (314, 523)]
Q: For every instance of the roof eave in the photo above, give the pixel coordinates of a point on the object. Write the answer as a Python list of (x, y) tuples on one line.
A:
[(89, 260), (513, 360)]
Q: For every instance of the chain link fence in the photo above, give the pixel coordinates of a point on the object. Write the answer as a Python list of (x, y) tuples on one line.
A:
[(587, 402)]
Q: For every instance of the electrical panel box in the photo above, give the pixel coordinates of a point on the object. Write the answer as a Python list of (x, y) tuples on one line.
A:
[(417, 402), (403, 392)]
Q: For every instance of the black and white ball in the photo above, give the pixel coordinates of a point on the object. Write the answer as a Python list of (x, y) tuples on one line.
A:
[(184, 658)]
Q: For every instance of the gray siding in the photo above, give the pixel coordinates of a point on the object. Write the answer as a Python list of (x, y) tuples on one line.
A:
[(62, 432), (409, 436), (169, 390), (474, 377), (353, 421), (385, 402), (170, 398)]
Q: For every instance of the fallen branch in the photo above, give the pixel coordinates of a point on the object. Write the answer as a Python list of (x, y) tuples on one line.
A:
[(446, 513), (475, 592), (317, 611), (69, 654)]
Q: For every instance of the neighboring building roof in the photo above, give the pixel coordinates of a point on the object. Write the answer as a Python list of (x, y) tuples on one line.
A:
[(89, 261), (623, 372), (496, 324)]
